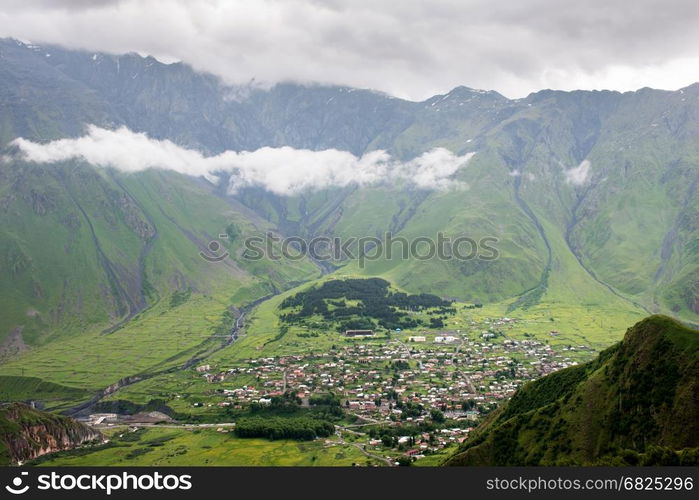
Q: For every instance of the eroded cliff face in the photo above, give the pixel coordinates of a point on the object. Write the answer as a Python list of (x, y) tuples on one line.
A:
[(26, 433)]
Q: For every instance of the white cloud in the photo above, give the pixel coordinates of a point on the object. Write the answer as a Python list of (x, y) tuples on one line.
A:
[(282, 170), (579, 175), (411, 48)]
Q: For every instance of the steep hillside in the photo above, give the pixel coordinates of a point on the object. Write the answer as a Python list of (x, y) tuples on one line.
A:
[(84, 247), (636, 404), (26, 433)]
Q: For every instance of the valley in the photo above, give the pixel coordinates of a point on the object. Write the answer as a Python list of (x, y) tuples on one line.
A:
[(425, 389), (127, 289)]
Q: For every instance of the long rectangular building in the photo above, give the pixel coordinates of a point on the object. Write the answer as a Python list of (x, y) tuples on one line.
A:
[(359, 333)]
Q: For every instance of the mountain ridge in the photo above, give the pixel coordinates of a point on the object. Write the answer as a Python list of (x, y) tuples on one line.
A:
[(636, 404)]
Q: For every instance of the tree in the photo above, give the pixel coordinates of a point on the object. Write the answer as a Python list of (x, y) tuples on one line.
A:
[(232, 232), (437, 416)]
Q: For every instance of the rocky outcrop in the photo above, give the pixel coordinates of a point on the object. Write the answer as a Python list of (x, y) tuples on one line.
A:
[(27, 433), (12, 345)]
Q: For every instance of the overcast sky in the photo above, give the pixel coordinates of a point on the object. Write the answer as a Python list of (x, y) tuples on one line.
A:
[(408, 48)]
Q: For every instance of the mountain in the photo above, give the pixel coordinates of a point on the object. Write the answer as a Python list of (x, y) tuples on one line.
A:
[(27, 433), (83, 246), (636, 404), (592, 197)]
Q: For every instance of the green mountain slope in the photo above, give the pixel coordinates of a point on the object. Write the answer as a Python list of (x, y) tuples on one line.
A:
[(635, 404), (83, 247), (622, 233)]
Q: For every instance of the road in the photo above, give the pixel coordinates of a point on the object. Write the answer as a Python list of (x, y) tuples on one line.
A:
[(361, 448), (164, 426), (410, 356)]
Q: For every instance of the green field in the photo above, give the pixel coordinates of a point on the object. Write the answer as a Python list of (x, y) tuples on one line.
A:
[(179, 447), (161, 338)]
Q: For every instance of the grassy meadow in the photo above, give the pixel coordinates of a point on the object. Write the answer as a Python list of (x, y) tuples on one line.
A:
[(160, 447)]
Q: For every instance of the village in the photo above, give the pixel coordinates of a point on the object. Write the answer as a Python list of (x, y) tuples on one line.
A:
[(448, 378)]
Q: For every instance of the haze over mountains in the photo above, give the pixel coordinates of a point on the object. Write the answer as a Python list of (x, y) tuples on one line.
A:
[(592, 195)]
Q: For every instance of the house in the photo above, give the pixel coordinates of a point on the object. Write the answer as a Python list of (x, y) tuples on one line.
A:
[(98, 418), (359, 333), (417, 338), (445, 340)]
